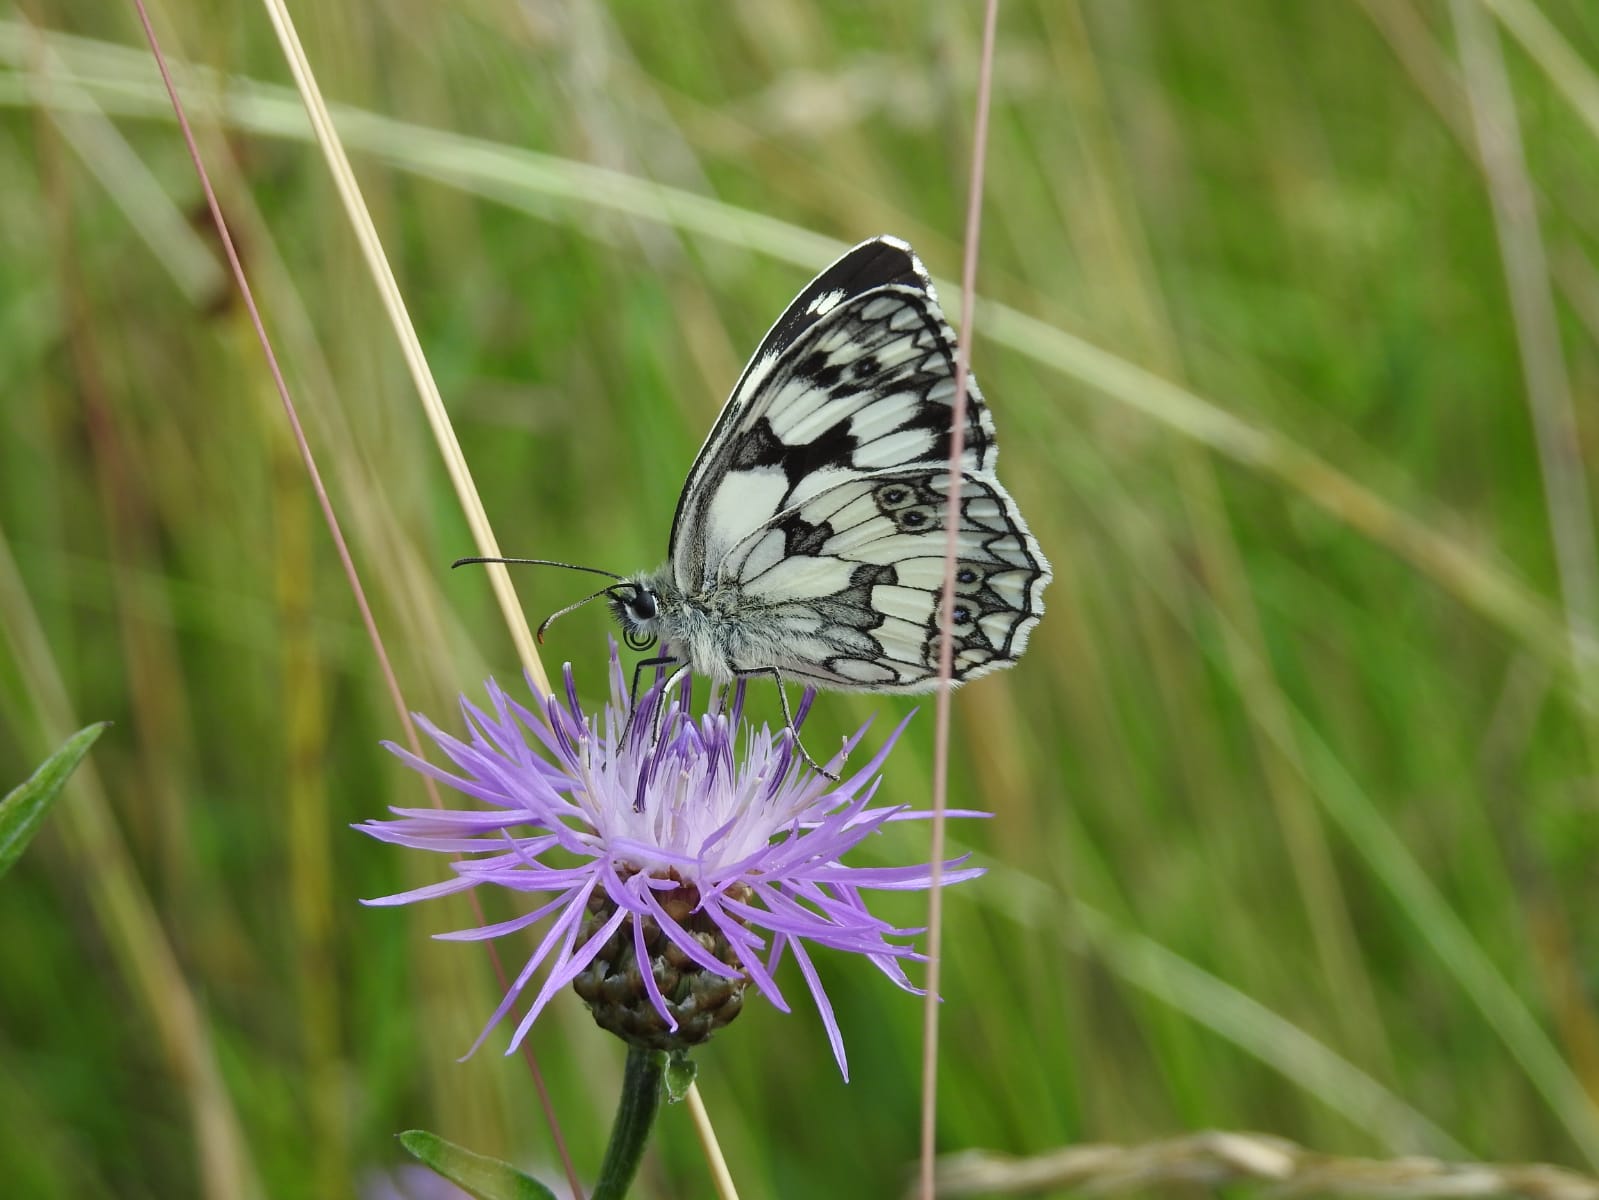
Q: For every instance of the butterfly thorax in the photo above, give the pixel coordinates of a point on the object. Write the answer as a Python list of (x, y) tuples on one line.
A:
[(718, 632)]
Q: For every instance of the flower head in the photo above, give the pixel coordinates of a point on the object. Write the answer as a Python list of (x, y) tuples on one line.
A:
[(707, 852)]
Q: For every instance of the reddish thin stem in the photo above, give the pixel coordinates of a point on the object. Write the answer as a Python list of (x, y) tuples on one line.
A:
[(946, 645), (391, 682)]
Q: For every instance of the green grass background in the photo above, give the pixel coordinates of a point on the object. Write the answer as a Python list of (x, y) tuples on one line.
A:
[(1295, 794)]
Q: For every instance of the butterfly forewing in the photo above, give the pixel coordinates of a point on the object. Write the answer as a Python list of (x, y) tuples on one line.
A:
[(878, 263), (864, 386), (821, 494)]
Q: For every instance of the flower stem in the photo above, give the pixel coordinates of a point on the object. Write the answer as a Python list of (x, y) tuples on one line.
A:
[(635, 1113)]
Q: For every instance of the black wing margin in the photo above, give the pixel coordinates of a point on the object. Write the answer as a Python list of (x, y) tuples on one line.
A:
[(872, 264)]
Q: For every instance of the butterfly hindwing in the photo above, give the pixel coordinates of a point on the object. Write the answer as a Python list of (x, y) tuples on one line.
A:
[(853, 577)]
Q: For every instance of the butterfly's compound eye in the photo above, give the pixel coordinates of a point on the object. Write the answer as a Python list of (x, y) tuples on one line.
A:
[(644, 606)]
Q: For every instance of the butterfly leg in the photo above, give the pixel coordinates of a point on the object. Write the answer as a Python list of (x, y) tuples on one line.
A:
[(643, 664), (788, 715), (660, 708)]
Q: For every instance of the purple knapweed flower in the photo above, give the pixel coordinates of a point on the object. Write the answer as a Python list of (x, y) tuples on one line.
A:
[(706, 850)]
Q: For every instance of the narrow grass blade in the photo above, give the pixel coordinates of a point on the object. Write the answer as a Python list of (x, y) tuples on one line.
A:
[(24, 809), (484, 1177)]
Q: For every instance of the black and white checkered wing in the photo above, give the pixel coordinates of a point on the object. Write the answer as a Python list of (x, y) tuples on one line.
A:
[(851, 580), (820, 492)]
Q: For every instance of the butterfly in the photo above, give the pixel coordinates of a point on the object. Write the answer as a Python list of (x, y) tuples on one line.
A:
[(809, 540)]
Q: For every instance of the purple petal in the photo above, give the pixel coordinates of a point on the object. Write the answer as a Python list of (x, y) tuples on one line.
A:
[(641, 955), (515, 990), (480, 933), (447, 887), (747, 947), (569, 965), (686, 941), (563, 930), (824, 1007)]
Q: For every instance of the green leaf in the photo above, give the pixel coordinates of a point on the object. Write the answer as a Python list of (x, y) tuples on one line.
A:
[(22, 812), (486, 1178), (680, 1073)]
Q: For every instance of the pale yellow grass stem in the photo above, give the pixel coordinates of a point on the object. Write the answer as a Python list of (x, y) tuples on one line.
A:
[(410, 345), (438, 420)]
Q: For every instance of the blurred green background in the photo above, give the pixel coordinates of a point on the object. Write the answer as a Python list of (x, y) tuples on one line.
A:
[(1295, 792)]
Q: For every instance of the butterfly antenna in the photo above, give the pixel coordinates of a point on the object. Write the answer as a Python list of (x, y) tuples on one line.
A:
[(537, 562), (550, 620)]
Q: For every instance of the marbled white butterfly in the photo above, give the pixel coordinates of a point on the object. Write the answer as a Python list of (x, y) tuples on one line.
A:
[(809, 540)]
